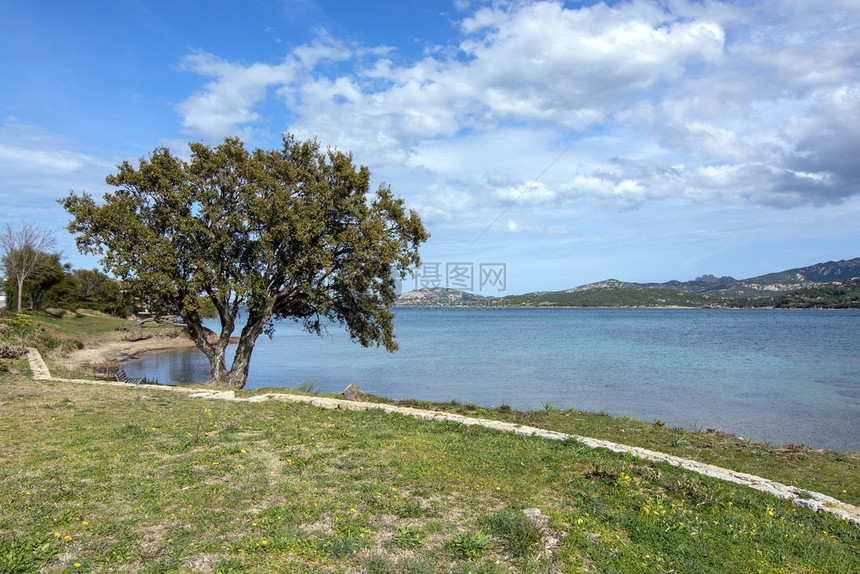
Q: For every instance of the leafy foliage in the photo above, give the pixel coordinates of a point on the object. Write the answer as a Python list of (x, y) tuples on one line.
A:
[(55, 285), (24, 556), (283, 233), (409, 537)]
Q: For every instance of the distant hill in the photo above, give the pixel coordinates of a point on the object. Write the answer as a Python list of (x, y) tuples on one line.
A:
[(805, 276), (441, 296), (780, 282), (831, 284)]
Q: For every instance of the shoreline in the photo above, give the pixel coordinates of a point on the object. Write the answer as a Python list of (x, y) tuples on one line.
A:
[(105, 353), (122, 345), (801, 498)]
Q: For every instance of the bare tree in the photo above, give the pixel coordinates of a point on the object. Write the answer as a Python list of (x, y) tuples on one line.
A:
[(24, 252)]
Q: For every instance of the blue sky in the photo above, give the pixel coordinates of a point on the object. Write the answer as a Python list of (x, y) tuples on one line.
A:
[(570, 141)]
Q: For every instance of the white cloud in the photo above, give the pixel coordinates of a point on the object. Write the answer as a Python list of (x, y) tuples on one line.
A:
[(228, 103), (545, 60), (37, 166), (538, 61), (827, 143), (531, 193), (758, 102), (24, 148)]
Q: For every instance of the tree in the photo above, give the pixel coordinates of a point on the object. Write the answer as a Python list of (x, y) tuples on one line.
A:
[(51, 286), (24, 253), (95, 290), (292, 232)]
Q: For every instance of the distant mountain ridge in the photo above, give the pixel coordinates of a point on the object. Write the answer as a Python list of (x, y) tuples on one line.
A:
[(781, 281), (706, 290)]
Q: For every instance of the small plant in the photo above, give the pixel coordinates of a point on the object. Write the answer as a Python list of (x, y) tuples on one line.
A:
[(409, 538), (623, 480), (520, 535), (378, 565), (470, 545), (20, 321), (230, 566), (409, 508), (549, 406), (309, 387), (349, 535)]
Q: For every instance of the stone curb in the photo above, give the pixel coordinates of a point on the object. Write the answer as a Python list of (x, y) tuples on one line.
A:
[(814, 501)]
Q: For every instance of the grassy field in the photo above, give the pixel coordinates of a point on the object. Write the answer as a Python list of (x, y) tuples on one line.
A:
[(134, 479), (836, 474)]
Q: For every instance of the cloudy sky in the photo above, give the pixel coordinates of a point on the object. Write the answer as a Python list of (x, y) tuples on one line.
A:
[(569, 141)]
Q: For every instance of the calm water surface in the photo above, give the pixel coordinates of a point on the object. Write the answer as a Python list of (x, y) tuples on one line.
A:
[(773, 376)]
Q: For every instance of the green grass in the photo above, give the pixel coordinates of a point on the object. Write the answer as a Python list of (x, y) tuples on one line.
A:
[(104, 479), (81, 322), (836, 474), (133, 479)]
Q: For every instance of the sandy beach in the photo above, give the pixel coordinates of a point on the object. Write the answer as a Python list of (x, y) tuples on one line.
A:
[(109, 350)]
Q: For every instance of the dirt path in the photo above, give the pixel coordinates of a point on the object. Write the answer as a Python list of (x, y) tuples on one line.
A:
[(813, 501)]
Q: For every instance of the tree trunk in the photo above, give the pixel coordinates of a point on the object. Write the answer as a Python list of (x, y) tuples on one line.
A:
[(20, 288), (214, 351), (237, 375), (218, 373)]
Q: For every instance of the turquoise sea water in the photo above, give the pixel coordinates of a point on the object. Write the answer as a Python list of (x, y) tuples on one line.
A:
[(773, 376)]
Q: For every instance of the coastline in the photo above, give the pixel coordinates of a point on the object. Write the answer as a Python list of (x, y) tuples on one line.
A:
[(801, 498), (601, 378), (110, 350)]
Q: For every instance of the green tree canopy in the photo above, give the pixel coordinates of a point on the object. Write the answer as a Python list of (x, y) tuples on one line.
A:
[(293, 232), (95, 290)]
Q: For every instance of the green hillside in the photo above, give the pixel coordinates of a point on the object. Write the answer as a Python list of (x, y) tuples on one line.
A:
[(831, 285)]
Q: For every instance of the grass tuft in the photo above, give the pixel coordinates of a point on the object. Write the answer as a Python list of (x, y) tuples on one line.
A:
[(520, 536)]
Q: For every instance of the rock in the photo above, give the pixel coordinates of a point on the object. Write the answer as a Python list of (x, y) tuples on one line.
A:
[(353, 393), (549, 539)]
